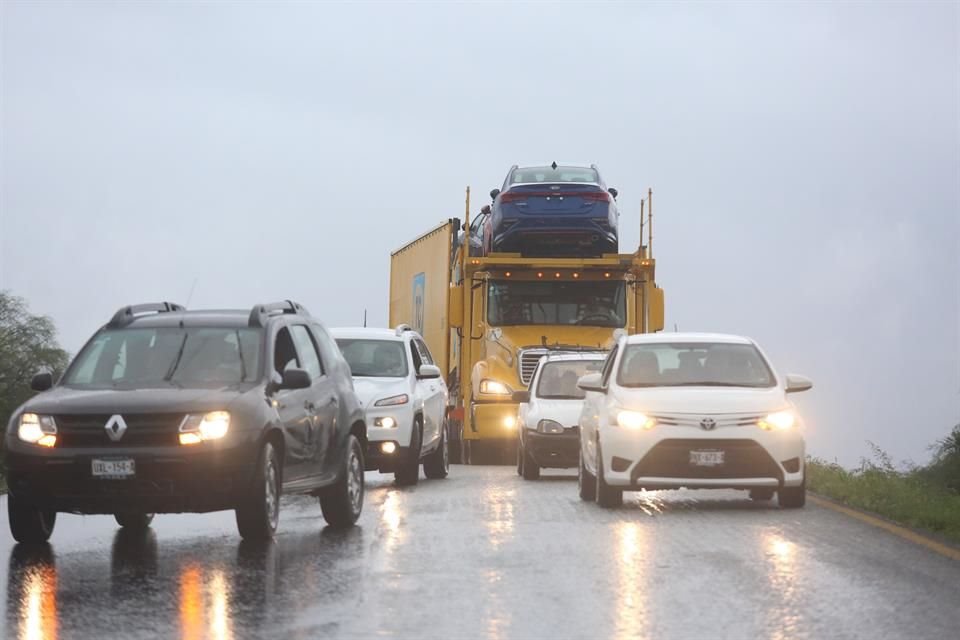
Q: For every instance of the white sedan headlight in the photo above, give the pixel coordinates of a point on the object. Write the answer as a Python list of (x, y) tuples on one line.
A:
[(634, 420), (778, 421)]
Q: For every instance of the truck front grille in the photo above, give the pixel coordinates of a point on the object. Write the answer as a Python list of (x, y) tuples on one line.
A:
[(527, 363)]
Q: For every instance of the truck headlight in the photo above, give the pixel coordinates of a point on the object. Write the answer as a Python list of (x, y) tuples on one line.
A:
[(494, 388), (197, 428), (37, 429), (392, 401), (778, 421), (549, 426), (634, 420)]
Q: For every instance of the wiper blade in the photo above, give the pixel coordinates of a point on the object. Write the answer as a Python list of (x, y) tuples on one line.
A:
[(176, 361), (712, 384)]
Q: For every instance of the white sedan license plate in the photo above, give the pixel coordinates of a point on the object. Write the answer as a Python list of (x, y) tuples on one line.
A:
[(706, 458), (122, 468)]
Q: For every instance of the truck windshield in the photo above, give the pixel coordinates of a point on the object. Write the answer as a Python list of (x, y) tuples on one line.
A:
[(687, 364), (183, 357), (588, 303), (374, 358)]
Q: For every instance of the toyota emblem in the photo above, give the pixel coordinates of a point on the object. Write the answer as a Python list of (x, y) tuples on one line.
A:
[(708, 424)]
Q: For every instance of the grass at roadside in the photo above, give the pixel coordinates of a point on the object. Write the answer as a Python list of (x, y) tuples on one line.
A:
[(906, 497)]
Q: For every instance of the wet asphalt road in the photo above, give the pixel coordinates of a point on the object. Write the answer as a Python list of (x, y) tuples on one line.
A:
[(484, 554)]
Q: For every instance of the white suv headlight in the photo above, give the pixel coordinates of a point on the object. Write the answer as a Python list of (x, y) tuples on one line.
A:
[(778, 421), (392, 401)]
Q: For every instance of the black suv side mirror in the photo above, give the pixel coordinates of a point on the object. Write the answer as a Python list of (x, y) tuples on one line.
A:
[(42, 381), (295, 379), (521, 396), (613, 192), (494, 193)]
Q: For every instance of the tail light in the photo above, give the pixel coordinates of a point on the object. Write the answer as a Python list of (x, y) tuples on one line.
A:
[(595, 196), (589, 196), (512, 197)]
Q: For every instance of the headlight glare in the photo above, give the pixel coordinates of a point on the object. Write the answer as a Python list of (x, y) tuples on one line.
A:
[(634, 420), (778, 421), (385, 422), (197, 428), (392, 401), (494, 388), (37, 429)]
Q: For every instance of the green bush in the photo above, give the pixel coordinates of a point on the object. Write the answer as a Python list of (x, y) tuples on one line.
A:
[(921, 497)]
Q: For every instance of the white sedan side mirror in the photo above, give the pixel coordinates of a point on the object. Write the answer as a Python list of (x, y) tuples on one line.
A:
[(592, 382), (797, 383)]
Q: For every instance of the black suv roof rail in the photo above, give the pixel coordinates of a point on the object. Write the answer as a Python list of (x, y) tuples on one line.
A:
[(261, 311), (128, 314)]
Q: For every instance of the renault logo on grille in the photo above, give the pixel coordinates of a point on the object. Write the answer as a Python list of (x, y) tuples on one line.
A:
[(116, 427), (708, 424)]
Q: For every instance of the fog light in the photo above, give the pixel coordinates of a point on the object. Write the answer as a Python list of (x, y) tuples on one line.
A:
[(388, 447), (510, 422)]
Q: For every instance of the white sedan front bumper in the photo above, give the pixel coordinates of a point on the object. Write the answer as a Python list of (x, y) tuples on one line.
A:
[(661, 457)]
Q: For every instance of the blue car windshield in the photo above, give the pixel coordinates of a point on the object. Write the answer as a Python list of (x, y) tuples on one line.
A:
[(549, 174), (587, 303), (207, 357)]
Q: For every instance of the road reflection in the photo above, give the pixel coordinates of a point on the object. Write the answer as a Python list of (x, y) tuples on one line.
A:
[(202, 588), (782, 575), (32, 593), (632, 548)]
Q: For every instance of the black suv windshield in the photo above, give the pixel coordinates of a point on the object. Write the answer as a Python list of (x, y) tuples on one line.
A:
[(687, 364), (185, 357), (374, 358), (590, 303)]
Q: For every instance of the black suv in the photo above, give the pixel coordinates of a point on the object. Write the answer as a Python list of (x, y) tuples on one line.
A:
[(166, 410)]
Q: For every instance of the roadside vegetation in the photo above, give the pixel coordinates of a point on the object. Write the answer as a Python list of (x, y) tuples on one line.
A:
[(28, 344), (924, 497)]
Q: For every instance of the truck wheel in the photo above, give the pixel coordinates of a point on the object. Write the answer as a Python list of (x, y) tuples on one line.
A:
[(437, 464), (408, 471), (586, 482), (607, 496), (342, 502), (133, 520), (29, 524), (455, 441), (530, 470), (259, 512)]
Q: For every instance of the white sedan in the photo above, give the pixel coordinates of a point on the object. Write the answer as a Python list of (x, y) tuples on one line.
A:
[(690, 410)]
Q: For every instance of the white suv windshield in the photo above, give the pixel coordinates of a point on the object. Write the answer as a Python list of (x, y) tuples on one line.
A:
[(688, 364), (374, 358)]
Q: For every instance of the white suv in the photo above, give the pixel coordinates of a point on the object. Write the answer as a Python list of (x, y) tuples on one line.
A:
[(405, 399), (690, 410)]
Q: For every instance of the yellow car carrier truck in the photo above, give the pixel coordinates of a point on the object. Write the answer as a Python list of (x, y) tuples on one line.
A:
[(489, 319)]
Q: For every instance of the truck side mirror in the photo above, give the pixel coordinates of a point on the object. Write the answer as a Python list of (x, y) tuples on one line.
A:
[(521, 396)]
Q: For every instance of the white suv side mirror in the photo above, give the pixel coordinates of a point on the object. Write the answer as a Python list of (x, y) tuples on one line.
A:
[(428, 371), (797, 383)]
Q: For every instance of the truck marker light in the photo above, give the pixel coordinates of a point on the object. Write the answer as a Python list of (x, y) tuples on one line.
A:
[(540, 274), (556, 275), (606, 275), (576, 275), (507, 274)]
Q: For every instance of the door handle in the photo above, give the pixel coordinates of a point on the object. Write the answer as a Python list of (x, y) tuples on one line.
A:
[(310, 407)]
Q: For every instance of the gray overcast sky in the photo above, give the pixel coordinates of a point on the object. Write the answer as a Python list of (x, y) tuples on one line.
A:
[(804, 160)]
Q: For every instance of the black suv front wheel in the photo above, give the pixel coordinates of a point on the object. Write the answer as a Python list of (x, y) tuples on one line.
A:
[(29, 524), (259, 513)]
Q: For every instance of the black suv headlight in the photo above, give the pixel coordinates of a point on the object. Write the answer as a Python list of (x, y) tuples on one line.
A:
[(37, 429), (199, 427)]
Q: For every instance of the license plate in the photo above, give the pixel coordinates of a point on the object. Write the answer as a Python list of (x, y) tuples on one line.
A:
[(706, 458), (114, 468)]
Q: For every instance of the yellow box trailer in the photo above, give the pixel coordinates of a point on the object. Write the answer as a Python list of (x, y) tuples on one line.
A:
[(488, 321)]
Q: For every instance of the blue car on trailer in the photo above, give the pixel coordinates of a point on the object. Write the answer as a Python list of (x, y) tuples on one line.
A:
[(553, 210)]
